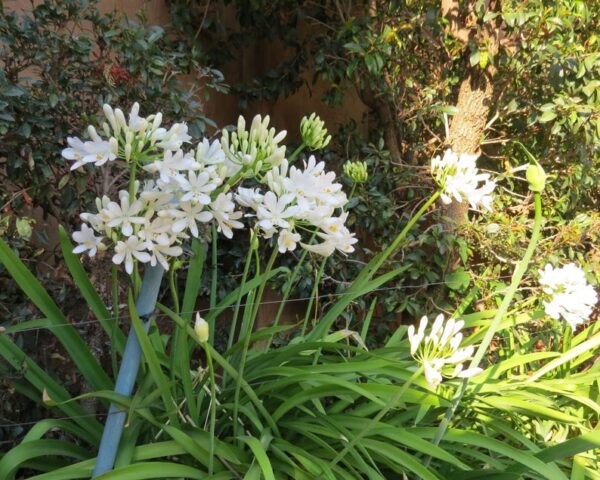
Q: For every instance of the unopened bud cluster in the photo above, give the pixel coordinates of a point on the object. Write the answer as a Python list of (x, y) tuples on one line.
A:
[(313, 131), (356, 171), (257, 148), (536, 178), (201, 328)]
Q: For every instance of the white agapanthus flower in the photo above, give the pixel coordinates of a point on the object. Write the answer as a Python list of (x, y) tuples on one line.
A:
[(287, 241), (257, 148), (223, 212), (569, 294), (178, 190), (87, 241), (124, 214), (301, 198), (439, 351), (173, 138), (209, 153), (171, 166), (275, 212), (97, 151), (126, 251), (459, 179)]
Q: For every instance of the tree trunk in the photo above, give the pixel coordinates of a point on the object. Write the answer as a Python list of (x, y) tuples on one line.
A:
[(475, 97), (476, 92), (386, 116)]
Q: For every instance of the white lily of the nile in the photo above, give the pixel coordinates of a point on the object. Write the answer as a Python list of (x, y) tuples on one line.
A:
[(439, 352), (177, 192), (301, 200), (569, 294), (87, 241), (458, 177)]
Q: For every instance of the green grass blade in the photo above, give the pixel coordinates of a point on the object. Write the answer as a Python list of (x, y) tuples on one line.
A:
[(261, 456), (79, 352), (150, 357), (109, 324)]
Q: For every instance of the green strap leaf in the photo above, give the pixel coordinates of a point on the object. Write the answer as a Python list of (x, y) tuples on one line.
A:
[(79, 352)]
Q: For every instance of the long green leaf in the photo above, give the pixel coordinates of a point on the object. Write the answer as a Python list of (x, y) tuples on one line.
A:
[(86, 363), (109, 324), (162, 382), (261, 456), (11, 462)]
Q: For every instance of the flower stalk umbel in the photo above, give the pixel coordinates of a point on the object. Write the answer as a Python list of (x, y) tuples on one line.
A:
[(174, 194), (439, 352), (500, 313)]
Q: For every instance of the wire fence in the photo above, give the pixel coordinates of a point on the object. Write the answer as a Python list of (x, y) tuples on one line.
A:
[(117, 318), (177, 401)]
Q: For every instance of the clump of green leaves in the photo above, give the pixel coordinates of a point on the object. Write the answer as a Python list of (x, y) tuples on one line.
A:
[(61, 61)]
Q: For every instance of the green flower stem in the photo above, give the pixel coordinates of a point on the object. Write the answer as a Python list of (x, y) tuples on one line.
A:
[(296, 152), (313, 294), (286, 294), (246, 334), (173, 287), (352, 191), (500, 313), (213, 282), (114, 270), (400, 238), (213, 409), (382, 413), (132, 172), (238, 302)]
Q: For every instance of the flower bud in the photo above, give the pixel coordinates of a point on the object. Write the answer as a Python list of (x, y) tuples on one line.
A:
[(356, 171), (536, 178), (201, 328), (314, 133)]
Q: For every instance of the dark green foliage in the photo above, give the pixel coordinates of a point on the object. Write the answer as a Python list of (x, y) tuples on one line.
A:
[(63, 60)]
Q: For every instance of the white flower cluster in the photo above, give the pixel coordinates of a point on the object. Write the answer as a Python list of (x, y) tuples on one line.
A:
[(184, 189), (439, 352), (258, 147), (459, 179), (137, 136), (301, 200), (570, 296)]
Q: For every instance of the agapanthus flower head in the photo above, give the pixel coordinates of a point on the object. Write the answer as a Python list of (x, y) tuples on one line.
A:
[(439, 351), (459, 179), (356, 171), (178, 191), (313, 131), (568, 294), (150, 220), (257, 147), (301, 200)]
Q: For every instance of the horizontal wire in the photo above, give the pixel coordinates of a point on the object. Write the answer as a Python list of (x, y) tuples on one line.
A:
[(106, 414), (204, 310)]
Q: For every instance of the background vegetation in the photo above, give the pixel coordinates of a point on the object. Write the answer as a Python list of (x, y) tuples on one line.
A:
[(477, 76)]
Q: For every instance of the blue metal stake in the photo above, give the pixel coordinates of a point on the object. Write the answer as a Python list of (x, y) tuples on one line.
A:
[(128, 371)]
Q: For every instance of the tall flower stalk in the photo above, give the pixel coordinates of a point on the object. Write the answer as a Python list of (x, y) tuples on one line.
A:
[(500, 313)]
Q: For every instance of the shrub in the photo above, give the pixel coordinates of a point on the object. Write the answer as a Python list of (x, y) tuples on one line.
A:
[(438, 402)]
